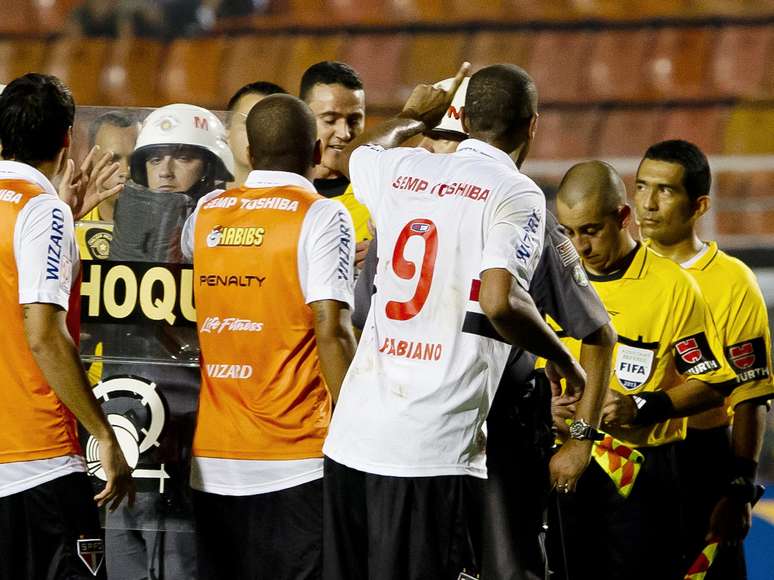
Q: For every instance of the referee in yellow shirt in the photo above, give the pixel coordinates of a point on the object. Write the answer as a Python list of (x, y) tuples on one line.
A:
[(666, 365), (672, 194)]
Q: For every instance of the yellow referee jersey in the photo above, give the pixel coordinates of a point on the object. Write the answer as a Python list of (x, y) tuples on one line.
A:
[(358, 212), (732, 294), (665, 335)]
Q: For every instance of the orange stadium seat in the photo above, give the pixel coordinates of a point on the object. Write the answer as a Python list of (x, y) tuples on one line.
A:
[(616, 63), (558, 62), (731, 185), (748, 222), (18, 57), (702, 126), (252, 58), (628, 132), (430, 58), (304, 51), (192, 72), (749, 131), (125, 80), (677, 67), (566, 134), (377, 57), (78, 62), (16, 17), (742, 56), (485, 48)]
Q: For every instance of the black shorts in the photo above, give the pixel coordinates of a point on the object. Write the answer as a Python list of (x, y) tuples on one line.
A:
[(705, 459), (608, 537), (275, 535), (52, 532), (389, 528)]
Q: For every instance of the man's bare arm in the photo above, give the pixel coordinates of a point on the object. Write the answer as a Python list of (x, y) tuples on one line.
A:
[(56, 355), (335, 341)]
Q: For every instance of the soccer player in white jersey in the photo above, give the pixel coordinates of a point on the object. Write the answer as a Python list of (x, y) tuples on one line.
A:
[(459, 238)]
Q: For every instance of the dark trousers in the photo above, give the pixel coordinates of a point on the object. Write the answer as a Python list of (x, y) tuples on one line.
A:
[(275, 535), (607, 537), (516, 490), (52, 532), (397, 528), (704, 459)]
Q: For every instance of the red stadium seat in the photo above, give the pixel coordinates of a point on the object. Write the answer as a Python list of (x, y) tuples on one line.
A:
[(628, 132), (248, 59), (566, 134), (78, 63), (702, 126), (677, 67), (304, 51), (429, 58), (16, 17), (749, 131), (192, 72), (18, 57), (125, 80), (731, 185), (487, 48), (616, 64), (558, 62), (377, 57), (741, 59), (749, 222)]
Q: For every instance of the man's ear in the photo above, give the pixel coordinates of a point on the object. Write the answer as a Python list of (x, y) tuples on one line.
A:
[(624, 216), (464, 121), (250, 156), (317, 153), (533, 124), (701, 206), (68, 138)]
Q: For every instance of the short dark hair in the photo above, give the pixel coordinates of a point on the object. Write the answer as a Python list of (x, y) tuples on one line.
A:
[(696, 178), (257, 88), (329, 72), (112, 118), (500, 99), (36, 112)]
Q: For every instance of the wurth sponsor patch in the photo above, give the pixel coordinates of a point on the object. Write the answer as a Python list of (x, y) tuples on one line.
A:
[(693, 355), (748, 359)]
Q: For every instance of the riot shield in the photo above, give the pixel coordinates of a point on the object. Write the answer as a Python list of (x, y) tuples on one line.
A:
[(139, 346)]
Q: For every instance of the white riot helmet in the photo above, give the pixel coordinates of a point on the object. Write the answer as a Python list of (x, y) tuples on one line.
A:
[(187, 125), (451, 124)]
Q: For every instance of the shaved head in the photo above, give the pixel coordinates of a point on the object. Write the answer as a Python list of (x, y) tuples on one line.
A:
[(595, 182), (282, 134), (499, 99)]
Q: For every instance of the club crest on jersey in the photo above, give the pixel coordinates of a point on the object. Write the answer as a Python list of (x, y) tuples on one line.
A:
[(693, 355), (92, 553), (633, 366), (420, 228), (749, 360)]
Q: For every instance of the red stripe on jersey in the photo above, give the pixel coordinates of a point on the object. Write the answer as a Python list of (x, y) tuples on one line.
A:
[(475, 288)]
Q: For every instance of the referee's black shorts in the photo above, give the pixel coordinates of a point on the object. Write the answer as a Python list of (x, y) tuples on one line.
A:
[(52, 532), (389, 528), (275, 535)]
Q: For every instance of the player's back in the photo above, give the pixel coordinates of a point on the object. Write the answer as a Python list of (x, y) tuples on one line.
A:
[(418, 392)]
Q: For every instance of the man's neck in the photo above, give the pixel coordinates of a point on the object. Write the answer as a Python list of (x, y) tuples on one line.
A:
[(680, 251), (626, 247), (322, 172)]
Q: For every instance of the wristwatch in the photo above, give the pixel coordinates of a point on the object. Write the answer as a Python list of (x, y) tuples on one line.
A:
[(580, 429)]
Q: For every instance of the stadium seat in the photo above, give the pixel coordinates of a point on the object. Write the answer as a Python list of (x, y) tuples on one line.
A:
[(616, 64), (16, 17), (429, 58), (746, 222), (628, 132), (377, 58), (192, 72), (488, 47), (749, 131), (742, 56), (125, 80), (78, 62), (558, 62), (677, 67), (18, 57), (302, 52), (566, 134), (252, 58), (730, 186), (700, 125)]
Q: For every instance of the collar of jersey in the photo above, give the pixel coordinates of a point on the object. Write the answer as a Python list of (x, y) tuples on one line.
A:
[(16, 170), (709, 255), (259, 179), (633, 271), (487, 150)]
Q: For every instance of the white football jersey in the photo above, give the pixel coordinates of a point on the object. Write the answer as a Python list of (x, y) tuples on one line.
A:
[(418, 392)]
